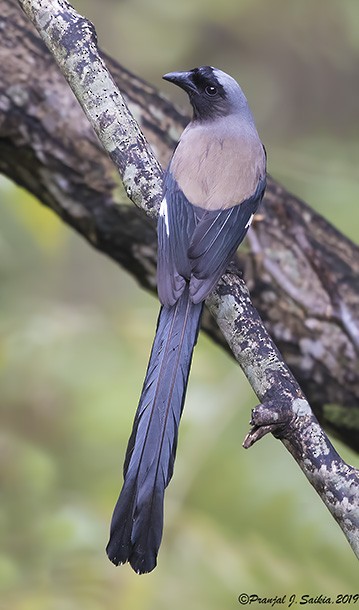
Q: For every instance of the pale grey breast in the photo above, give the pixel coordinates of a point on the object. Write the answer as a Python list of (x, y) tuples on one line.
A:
[(219, 165)]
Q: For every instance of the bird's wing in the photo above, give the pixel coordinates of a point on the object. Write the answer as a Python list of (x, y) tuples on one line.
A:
[(215, 240), (195, 244), (176, 224), (170, 284)]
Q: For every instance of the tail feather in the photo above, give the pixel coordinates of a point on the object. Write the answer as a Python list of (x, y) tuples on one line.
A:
[(137, 522)]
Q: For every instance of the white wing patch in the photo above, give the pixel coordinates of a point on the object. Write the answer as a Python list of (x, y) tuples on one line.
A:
[(163, 212), (249, 222)]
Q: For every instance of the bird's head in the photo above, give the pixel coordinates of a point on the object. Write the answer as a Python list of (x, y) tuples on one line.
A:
[(212, 92)]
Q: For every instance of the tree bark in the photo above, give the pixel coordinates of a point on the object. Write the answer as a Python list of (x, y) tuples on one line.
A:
[(302, 273)]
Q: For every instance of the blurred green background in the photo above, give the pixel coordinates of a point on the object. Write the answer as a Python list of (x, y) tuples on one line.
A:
[(75, 333)]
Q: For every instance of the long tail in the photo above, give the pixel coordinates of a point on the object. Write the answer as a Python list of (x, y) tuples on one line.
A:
[(137, 521)]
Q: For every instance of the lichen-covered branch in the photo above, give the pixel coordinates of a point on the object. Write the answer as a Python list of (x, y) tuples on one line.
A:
[(284, 410), (72, 40)]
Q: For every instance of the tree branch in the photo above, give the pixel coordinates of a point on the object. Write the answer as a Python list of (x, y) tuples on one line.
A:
[(72, 41), (284, 409)]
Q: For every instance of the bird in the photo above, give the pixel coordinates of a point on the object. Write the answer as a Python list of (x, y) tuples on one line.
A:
[(212, 188)]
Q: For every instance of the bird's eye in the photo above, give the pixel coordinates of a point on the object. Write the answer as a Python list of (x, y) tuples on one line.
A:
[(210, 90)]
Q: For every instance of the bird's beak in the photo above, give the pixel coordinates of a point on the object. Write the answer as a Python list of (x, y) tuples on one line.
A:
[(181, 79)]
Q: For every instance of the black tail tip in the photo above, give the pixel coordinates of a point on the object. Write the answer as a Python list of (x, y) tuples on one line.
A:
[(141, 563), (117, 553)]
